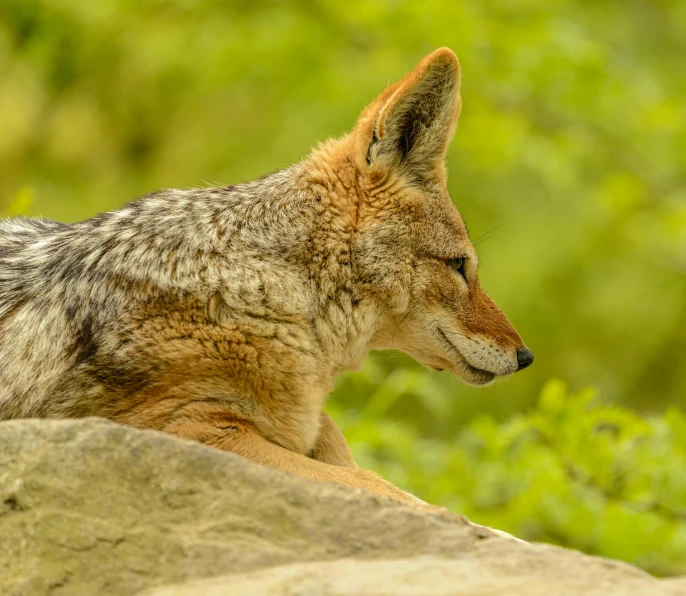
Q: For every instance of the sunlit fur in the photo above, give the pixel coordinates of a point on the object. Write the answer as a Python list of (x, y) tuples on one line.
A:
[(224, 315)]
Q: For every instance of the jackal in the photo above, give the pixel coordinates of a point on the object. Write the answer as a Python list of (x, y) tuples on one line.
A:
[(224, 315)]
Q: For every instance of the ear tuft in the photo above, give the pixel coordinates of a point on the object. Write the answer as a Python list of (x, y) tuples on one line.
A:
[(411, 123)]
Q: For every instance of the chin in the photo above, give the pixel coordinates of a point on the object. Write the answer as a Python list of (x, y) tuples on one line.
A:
[(470, 375), (474, 376), (483, 379)]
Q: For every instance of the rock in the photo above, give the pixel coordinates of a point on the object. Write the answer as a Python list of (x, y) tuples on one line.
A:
[(428, 576), (91, 507)]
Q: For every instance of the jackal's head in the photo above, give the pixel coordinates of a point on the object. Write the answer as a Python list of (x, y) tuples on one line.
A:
[(411, 252)]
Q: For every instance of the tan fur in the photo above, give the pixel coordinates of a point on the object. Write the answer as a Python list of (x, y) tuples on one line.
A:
[(225, 315)]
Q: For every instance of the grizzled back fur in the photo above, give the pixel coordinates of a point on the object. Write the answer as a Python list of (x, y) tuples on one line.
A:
[(255, 297)]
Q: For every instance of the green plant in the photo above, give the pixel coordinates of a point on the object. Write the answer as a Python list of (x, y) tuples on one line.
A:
[(572, 471)]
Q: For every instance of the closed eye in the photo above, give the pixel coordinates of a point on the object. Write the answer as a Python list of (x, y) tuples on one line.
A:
[(457, 265)]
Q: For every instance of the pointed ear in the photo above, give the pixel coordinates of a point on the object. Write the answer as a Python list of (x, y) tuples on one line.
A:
[(411, 123)]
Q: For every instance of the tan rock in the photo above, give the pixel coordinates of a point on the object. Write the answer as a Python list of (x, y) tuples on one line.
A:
[(426, 576), (90, 507)]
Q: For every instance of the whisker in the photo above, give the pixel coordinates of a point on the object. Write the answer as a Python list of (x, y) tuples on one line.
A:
[(399, 324), (487, 235)]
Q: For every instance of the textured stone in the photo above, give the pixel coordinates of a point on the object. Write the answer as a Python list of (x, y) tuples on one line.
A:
[(91, 507), (426, 576)]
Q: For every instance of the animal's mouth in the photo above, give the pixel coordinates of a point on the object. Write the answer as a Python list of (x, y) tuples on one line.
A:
[(469, 373)]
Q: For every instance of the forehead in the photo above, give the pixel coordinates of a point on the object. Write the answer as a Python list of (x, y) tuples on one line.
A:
[(439, 230)]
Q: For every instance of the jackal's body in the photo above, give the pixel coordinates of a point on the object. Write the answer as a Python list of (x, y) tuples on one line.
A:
[(224, 315), (207, 294)]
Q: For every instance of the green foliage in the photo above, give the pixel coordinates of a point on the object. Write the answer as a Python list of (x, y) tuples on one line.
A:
[(21, 202), (571, 471)]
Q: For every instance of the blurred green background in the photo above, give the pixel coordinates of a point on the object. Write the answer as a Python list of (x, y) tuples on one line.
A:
[(569, 166)]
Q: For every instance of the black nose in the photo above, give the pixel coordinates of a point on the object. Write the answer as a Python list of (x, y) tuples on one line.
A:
[(524, 358)]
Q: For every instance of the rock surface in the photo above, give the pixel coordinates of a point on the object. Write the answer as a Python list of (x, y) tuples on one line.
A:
[(425, 576), (90, 507)]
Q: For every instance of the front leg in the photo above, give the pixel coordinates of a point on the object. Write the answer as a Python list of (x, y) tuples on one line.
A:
[(331, 446), (214, 425)]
